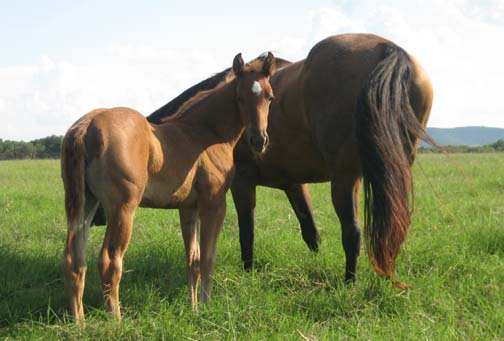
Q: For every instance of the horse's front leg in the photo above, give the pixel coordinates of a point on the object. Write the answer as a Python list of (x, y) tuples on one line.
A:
[(189, 222), (211, 214), (299, 198), (244, 197)]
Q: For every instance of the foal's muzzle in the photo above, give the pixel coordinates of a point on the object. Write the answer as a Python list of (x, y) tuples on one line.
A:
[(258, 142)]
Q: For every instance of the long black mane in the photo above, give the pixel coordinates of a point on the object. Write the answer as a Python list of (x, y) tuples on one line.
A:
[(174, 105)]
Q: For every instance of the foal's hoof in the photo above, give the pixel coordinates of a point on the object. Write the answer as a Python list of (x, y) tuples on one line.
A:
[(80, 323)]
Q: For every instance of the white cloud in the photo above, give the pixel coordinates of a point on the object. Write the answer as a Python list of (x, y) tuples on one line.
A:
[(329, 21), (459, 42), (45, 98), (288, 47)]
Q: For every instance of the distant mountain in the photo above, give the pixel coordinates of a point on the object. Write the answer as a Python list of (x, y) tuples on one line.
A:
[(468, 136)]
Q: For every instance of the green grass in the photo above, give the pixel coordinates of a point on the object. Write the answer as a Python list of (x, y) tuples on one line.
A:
[(454, 258)]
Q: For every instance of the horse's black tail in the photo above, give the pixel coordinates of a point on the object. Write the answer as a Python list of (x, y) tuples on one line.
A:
[(387, 132)]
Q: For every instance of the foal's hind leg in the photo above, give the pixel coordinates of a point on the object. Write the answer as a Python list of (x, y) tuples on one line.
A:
[(345, 197), (117, 238), (211, 216), (74, 261), (189, 223), (299, 198)]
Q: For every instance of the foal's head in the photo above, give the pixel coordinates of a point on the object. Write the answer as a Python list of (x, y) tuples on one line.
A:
[(254, 95)]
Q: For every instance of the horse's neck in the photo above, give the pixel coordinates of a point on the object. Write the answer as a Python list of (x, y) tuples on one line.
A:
[(216, 116)]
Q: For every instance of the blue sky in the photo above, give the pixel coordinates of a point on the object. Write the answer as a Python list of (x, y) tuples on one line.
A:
[(61, 59), (83, 30)]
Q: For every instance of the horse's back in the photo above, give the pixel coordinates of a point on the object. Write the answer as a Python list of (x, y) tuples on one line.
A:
[(335, 71), (338, 66)]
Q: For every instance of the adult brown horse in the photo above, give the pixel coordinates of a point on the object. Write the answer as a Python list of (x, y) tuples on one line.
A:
[(116, 159), (354, 108)]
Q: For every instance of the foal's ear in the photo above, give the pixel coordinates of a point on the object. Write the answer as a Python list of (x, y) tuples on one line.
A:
[(238, 65), (269, 65)]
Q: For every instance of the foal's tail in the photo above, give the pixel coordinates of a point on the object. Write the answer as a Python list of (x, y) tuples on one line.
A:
[(73, 159), (387, 131)]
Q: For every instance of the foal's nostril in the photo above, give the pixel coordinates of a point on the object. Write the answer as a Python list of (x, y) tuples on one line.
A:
[(258, 142)]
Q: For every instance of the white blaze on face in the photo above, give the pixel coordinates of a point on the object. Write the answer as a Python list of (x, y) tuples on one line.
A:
[(256, 88)]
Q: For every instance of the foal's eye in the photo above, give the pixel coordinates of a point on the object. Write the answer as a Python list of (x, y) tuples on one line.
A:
[(270, 98)]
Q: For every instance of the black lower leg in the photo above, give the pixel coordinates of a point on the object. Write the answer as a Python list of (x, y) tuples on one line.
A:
[(299, 199), (246, 225)]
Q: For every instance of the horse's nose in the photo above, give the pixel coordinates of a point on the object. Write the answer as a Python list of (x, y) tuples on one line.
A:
[(259, 142)]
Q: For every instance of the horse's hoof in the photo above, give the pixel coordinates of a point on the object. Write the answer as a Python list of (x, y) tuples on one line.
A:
[(314, 247), (247, 265), (312, 241), (349, 278)]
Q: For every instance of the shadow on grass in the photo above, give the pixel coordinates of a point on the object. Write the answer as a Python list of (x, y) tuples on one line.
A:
[(32, 287)]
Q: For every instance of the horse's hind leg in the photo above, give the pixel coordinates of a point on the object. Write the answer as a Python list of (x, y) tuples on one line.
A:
[(99, 218), (299, 198), (189, 223), (74, 261), (345, 197), (118, 235)]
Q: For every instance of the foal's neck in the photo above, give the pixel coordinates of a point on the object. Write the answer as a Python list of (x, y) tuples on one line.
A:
[(216, 116)]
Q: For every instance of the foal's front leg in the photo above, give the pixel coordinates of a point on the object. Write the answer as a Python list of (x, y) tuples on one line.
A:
[(189, 222), (211, 213)]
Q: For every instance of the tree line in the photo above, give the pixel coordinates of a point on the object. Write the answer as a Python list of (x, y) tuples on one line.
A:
[(44, 148), (50, 148), (497, 146)]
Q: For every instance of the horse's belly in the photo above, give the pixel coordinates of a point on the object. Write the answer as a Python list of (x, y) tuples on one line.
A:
[(280, 177), (295, 163)]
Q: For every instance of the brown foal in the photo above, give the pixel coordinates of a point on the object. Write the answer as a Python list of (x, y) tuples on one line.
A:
[(116, 159)]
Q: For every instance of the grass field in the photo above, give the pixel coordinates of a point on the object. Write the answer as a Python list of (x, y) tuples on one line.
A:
[(454, 258)]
